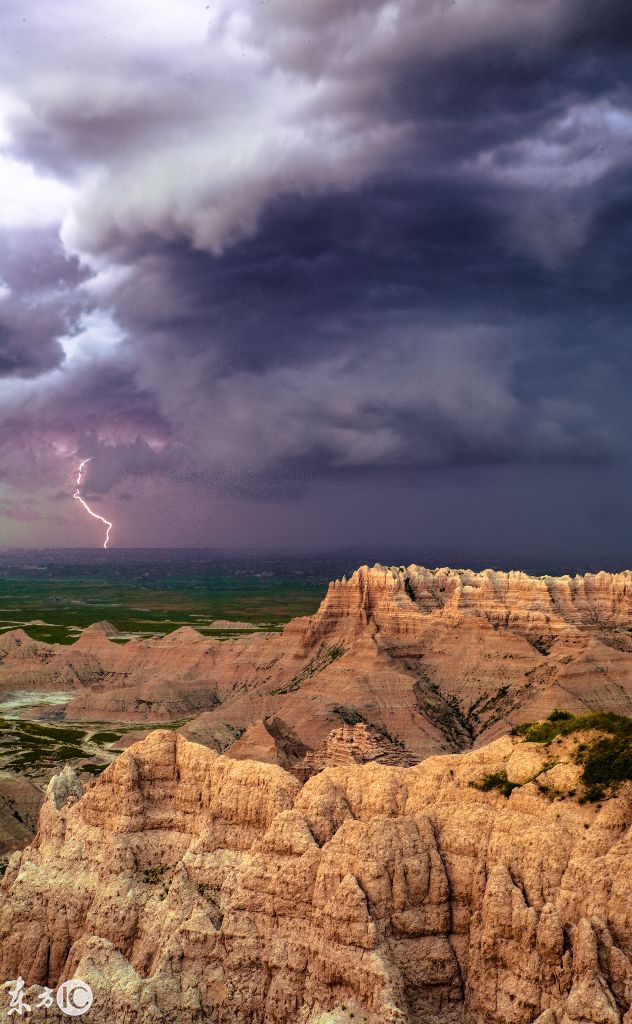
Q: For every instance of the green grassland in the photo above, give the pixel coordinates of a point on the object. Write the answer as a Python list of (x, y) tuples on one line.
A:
[(66, 606), (36, 749)]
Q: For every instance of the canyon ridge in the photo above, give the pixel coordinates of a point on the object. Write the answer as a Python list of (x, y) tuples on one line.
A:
[(435, 661)]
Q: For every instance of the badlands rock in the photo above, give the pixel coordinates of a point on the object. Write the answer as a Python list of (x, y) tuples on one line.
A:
[(269, 740), (352, 744), (526, 761), (20, 801), (439, 660), (185, 886)]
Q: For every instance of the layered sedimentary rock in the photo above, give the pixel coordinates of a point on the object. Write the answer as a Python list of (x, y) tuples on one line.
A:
[(352, 744), (186, 886), (438, 660)]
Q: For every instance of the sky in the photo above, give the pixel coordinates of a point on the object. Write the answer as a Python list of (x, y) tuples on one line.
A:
[(315, 273)]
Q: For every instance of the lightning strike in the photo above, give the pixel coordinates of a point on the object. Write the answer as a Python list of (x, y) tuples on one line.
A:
[(95, 515)]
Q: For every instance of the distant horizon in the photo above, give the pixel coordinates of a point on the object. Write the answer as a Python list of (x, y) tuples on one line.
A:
[(350, 556)]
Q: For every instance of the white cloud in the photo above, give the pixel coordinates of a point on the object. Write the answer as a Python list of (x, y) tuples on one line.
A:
[(29, 199), (569, 152), (184, 119), (97, 337)]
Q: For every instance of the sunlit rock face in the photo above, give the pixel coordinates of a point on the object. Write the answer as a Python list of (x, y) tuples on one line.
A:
[(188, 886)]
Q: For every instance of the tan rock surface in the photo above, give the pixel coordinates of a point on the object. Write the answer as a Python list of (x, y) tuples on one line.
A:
[(185, 886), (526, 761)]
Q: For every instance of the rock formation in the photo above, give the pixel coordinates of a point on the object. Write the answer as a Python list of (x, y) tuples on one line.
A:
[(185, 886), (20, 801), (439, 660), (269, 740), (348, 745)]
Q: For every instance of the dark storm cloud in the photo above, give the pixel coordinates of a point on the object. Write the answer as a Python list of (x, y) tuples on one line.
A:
[(330, 342), (102, 406), (352, 236), (39, 301), (28, 339)]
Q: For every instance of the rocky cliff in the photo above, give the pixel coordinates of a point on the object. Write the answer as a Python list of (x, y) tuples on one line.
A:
[(185, 886), (20, 802), (437, 660)]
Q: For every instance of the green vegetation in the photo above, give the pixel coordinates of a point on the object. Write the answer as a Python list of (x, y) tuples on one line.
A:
[(563, 723), (592, 794), (496, 780), (33, 748), (609, 760), (606, 760), (106, 737), (67, 753), (149, 726), (57, 733), (93, 769), (560, 716), (54, 603)]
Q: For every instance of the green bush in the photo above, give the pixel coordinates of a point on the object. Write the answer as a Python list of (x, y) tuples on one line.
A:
[(559, 716), (496, 780), (93, 768), (106, 737), (607, 760), (592, 794), (562, 723)]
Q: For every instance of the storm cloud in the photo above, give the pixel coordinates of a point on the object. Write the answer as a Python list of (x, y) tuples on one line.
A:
[(255, 246)]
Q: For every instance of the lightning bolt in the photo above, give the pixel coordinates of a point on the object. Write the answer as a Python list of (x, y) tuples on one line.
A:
[(95, 515)]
